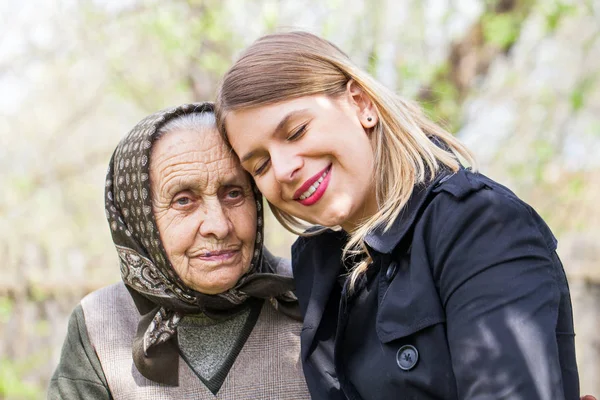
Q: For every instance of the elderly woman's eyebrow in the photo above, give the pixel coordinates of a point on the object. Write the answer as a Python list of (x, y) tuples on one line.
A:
[(239, 178), (181, 183)]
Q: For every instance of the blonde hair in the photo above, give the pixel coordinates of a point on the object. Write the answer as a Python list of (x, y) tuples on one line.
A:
[(284, 66)]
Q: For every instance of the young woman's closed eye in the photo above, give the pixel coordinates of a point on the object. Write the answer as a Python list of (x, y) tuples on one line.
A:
[(261, 167), (298, 132)]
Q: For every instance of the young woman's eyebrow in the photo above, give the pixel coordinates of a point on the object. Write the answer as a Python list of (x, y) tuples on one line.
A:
[(280, 126), (285, 120)]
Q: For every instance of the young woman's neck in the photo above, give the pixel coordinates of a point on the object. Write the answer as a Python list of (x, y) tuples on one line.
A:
[(368, 209)]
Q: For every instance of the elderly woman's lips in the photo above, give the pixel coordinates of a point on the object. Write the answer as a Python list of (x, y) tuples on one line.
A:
[(221, 255)]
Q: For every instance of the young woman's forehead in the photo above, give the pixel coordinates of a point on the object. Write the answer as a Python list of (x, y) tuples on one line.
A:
[(272, 114)]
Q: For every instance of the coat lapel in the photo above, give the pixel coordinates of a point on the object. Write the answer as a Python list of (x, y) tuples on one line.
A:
[(316, 273)]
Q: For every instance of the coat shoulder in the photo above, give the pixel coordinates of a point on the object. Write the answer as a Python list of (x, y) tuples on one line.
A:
[(468, 196)]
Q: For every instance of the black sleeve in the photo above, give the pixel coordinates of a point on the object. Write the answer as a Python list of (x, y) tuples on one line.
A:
[(498, 285), (79, 374)]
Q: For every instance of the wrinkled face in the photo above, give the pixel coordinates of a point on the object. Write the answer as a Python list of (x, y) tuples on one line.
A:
[(310, 157), (204, 209)]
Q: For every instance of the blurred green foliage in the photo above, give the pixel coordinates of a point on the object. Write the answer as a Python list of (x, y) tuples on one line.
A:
[(499, 26), (12, 372), (150, 54), (442, 100), (6, 309), (556, 11), (582, 90), (501, 30), (544, 152)]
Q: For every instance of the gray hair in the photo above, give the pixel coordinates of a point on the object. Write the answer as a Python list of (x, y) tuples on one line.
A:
[(189, 122)]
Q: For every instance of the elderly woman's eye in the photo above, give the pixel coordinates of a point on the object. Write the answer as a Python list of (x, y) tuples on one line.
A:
[(235, 194), (182, 201)]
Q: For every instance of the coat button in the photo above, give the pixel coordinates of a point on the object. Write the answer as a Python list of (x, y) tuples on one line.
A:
[(407, 357), (391, 271)]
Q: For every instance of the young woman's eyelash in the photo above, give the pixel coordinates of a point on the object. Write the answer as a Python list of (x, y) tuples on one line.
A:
[(298, 132), (261, 169)]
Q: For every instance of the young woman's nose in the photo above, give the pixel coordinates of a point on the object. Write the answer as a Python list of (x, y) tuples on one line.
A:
[(215, 222), (285, 166)]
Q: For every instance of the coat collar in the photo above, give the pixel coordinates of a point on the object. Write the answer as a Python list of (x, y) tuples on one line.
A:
[(320, 268), (458, 184)]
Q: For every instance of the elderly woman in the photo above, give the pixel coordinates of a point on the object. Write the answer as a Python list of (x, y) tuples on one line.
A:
[(204, 311)]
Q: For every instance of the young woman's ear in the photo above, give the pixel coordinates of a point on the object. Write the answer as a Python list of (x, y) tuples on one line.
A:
[(364, 105)]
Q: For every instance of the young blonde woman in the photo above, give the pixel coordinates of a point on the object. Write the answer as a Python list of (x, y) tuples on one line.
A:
[(423, 279)]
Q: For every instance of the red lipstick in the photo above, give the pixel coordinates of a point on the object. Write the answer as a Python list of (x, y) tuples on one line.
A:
[(318, 193)]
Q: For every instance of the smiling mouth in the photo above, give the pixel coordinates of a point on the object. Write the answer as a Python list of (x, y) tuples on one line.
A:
[(312, 186), (313, 189)]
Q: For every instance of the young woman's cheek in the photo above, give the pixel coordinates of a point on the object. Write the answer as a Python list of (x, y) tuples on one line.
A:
[(263, 185)]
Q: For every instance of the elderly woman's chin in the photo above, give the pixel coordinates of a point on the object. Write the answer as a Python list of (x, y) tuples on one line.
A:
[(212, 276)]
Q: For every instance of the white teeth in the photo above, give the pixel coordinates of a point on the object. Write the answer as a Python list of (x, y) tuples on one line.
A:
[(313, 187)]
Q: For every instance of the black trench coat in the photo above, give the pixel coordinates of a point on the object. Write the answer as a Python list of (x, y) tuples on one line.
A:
[(465, 299)]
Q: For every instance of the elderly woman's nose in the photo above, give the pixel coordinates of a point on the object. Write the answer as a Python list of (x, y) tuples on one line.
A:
[(215, 223)]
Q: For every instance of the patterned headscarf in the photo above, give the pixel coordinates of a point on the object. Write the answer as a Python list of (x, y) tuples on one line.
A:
[(159, 294)]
